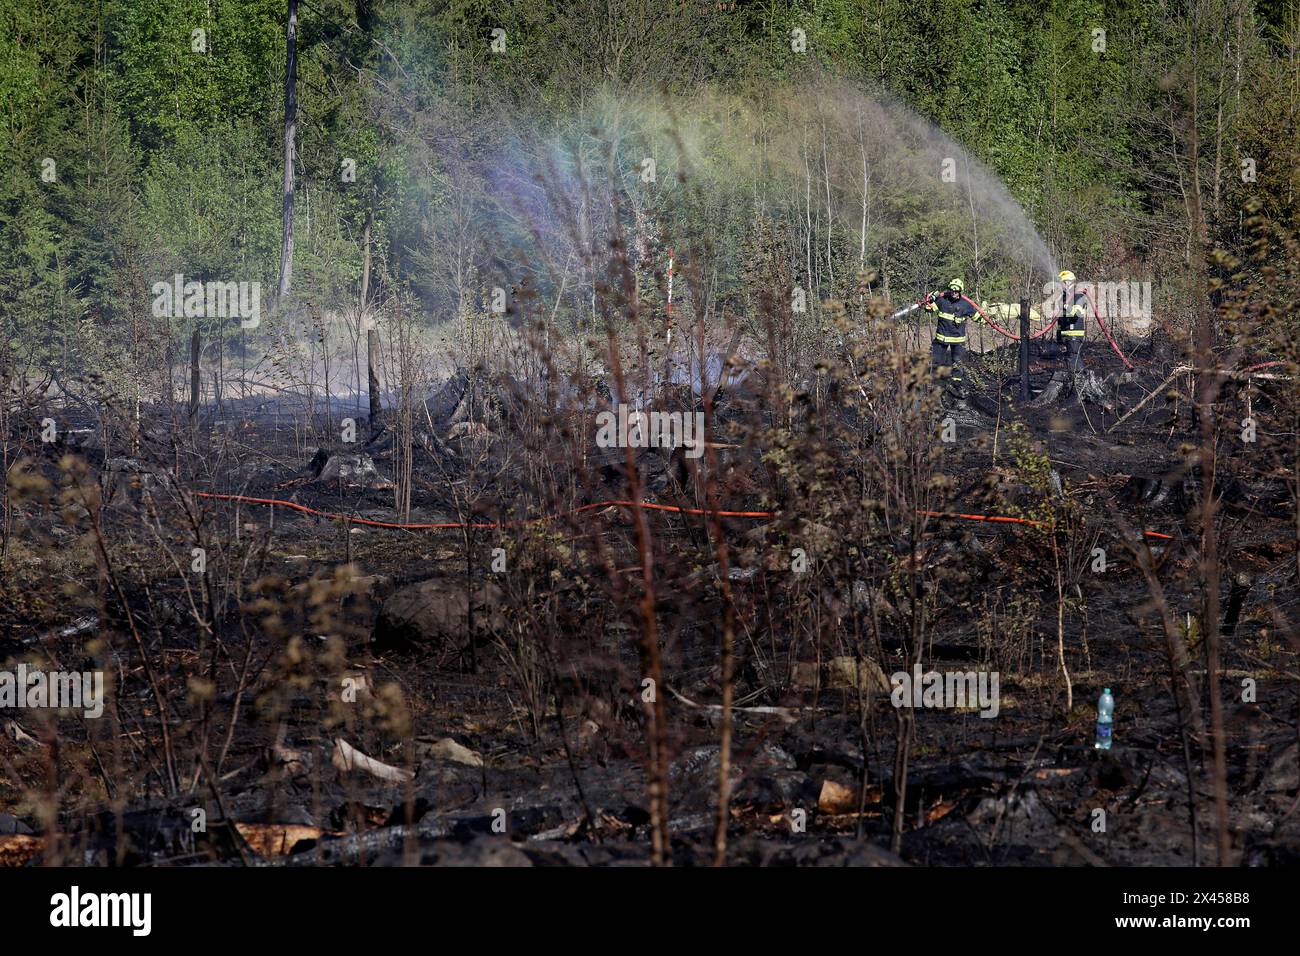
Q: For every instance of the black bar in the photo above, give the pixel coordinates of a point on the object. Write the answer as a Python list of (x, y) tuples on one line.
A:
[(284, 904), (1024, 349)]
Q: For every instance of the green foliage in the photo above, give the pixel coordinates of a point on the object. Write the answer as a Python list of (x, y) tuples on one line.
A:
[(214, 212), (167, 89), (170, 159)]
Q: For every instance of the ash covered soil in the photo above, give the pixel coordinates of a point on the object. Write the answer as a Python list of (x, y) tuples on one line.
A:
[(360, 695)]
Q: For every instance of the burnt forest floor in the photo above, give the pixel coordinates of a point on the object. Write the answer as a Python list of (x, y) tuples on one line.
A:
[(459, 697)]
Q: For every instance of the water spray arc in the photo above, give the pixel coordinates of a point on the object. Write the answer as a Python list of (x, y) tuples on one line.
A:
[(792, 157)]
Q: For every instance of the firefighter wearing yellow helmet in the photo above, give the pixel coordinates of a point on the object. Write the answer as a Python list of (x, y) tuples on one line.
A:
[(952, 310), (1069, 327)]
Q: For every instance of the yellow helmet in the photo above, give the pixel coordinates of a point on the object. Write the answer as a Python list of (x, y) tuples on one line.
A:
[(957, 285), (1066, 275)]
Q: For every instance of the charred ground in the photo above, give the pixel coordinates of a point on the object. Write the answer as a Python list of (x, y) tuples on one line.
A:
[(503, 689)]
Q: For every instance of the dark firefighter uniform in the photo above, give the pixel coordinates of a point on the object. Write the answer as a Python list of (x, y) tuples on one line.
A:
[(952, 312), (1069, 328)]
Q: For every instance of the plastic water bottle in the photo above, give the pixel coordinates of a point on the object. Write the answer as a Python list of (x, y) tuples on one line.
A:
[(1105, 707)]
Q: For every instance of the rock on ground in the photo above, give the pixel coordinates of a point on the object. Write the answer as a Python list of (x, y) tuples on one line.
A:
[(436, 612)]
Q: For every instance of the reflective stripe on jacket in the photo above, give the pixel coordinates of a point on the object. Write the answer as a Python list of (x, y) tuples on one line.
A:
[(1072, 313), (952, 316)]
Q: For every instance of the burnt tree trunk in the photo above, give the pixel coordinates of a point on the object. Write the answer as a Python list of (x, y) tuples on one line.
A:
[(1024, 349), (372, 336), (196, 341), (290, 126)]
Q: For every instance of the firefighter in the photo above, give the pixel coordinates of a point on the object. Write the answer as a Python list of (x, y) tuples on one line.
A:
[(1069, 328), (952, 310)]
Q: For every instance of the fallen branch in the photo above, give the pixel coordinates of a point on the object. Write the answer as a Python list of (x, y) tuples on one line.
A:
[(1129, 414), (1230, 375), (788, 714), (348, 758)]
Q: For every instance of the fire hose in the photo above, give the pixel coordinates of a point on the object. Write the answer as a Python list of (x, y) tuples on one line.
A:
[(1123, 357), (594, 506), (1101, 324), (1011, 335), (983, 315), (1043, 331)]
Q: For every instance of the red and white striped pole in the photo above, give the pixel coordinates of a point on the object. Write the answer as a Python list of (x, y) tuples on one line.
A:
[(670, 297)]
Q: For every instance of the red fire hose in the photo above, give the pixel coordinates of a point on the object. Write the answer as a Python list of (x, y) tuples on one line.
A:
[(997, 328), (984, 316), (1123, 357), (496, 525), (1044, 330)]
